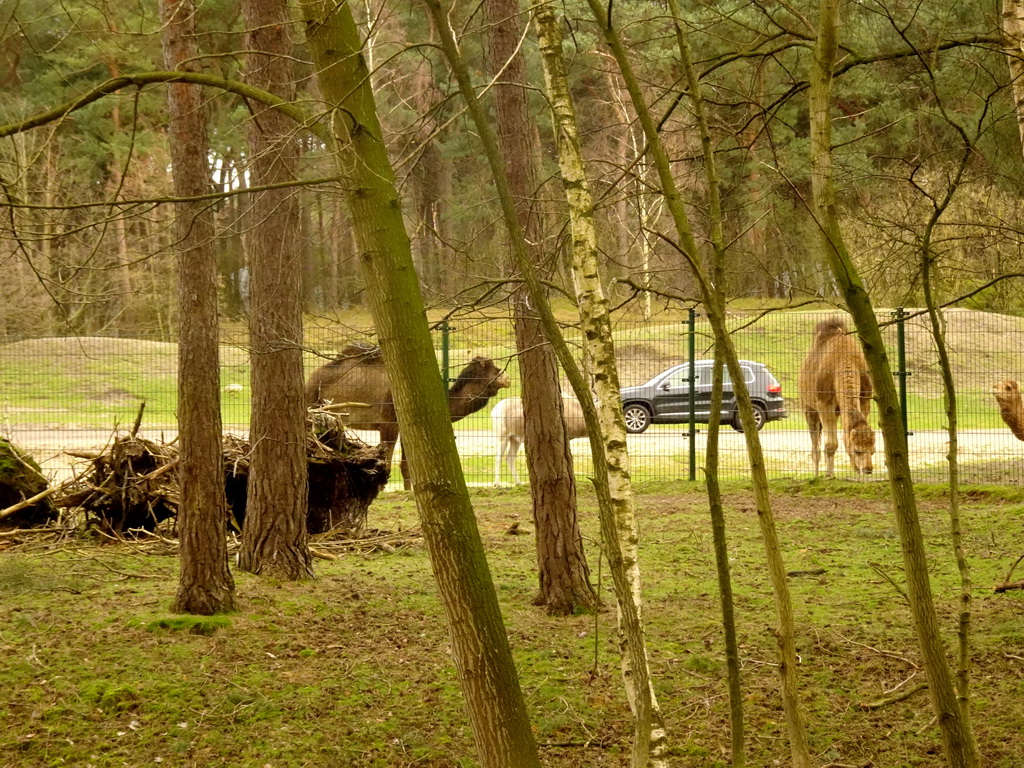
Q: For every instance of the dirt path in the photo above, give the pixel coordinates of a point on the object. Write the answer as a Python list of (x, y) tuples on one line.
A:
[(658, 453)]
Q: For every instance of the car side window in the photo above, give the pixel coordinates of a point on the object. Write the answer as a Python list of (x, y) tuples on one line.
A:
[(748, 376), (680, 378), (705, 374)]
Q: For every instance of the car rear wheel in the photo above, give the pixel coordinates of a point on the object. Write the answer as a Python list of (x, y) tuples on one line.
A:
[(638, 418), (760, 417)]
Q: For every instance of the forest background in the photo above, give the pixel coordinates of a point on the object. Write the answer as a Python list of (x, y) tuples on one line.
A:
[(89, 248)]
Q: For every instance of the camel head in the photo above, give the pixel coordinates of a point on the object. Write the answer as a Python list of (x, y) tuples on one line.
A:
[(479, 382), (860, 445), (1007, 395)]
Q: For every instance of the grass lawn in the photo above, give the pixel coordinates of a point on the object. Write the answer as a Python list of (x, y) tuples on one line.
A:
[(94, 382), (354, 669)]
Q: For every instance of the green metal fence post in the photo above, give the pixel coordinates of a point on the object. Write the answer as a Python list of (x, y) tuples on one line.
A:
[(901, 361), (445, 331), (692, 347)]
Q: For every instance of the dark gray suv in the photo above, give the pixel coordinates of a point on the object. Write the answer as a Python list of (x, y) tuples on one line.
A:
[(665, 399)]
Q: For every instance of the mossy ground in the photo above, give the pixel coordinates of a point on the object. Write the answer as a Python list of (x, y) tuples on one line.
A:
[(354, 669)]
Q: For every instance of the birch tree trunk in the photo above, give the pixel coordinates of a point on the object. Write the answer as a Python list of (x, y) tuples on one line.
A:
[(205, 585), (650, 739), (957, 736), (713, 305), (480, 647)]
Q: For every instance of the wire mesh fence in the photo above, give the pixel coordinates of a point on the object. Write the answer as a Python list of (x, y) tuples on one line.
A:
[(72, 393)]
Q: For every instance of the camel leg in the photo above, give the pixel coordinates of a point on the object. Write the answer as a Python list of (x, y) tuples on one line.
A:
[(829, 419), (503, 441), (814, 427), (513, 450), (389, 437), (406, 477)]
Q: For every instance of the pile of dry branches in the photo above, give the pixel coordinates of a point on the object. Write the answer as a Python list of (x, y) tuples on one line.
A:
[(131, 487)]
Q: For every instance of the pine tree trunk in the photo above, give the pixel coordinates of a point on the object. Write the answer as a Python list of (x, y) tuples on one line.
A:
[(957, 736), (427, 177), (480, 647), (561, 561), (274, 534), (205, 585), (1013, 31)]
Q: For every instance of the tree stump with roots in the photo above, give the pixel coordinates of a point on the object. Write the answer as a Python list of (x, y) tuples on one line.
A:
[(21, 478), (345, 476)]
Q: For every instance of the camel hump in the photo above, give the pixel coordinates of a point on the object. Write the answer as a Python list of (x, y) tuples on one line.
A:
[(360, 353), (831, 328)]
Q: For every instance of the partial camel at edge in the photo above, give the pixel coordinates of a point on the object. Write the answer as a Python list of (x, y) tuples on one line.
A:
[(835, 386), (1011, 409)]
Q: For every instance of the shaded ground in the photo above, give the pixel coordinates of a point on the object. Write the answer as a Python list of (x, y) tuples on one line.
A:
[(354, 668)]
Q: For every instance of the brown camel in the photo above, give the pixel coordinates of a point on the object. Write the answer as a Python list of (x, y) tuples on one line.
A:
[(834, 384), (357, 378), (1007, 395)]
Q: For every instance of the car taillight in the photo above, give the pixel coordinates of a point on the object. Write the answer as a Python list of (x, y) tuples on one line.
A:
[(775, 390)]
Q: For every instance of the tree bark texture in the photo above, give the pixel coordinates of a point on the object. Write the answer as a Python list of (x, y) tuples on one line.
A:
[(785, 632), (429, 179), (957, 736), (480, 647), (274, 535), (205, 584), (563, 571)]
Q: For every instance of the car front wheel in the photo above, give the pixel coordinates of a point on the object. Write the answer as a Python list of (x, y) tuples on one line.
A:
[(760, 417), (638, 418)]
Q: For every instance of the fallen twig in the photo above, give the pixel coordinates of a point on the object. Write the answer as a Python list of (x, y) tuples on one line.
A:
[(809, 572), (138, 420), (1013, 567), (893, 699), (890, 654), (33, 499), (29, 532), (1008, 587), (878, 569), (126, 574), (83, 454)]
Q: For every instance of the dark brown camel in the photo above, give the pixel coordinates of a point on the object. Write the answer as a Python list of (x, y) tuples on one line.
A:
[(358, 379), (834, 384)]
